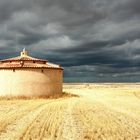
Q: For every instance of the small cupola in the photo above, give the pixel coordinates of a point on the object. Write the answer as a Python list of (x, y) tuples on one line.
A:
[(24, 53)]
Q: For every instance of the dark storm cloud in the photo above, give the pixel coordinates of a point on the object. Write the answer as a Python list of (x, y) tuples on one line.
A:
[(128, 9), (8, 7), (94, 40)]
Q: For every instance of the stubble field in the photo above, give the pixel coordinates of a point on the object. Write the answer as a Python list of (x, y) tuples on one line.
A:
[(101, 112)]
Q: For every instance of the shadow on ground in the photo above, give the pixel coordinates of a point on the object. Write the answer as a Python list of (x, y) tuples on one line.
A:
[(57, 96)]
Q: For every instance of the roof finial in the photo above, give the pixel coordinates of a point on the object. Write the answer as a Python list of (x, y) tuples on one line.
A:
[(24, 53)]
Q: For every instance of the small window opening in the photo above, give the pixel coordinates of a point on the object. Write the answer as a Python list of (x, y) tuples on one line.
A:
[(13, 70), (33, 61), (42, 71)]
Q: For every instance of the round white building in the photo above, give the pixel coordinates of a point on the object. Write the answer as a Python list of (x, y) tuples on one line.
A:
[(28, 76)]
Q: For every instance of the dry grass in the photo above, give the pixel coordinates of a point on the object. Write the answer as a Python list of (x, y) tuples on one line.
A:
[(56, 96), (101, 112)]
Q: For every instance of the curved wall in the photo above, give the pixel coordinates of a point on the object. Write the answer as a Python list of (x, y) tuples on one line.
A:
[(30, 82)]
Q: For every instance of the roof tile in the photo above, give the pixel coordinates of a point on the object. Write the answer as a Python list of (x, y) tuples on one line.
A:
[(21, 62)]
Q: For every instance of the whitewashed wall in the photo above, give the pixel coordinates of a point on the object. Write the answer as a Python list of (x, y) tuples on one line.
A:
[(30, 82)]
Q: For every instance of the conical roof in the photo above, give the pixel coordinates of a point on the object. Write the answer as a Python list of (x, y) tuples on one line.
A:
[(25, 61), (24, 58)]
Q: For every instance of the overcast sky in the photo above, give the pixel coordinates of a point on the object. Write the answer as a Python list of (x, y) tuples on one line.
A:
[(94, 40)]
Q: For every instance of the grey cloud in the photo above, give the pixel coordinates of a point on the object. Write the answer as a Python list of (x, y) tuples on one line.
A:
[(97, 40), (8, 7)]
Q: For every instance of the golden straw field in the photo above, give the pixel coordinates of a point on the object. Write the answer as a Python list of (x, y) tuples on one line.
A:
[(99, 112)]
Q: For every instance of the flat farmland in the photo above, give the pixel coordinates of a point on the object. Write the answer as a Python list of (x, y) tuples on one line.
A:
[(99, 112)]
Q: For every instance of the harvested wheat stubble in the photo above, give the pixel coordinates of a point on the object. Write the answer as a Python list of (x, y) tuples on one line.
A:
[(98, 112)]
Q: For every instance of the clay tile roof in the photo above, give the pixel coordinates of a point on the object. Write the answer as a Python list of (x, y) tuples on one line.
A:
[(27, 65), (24, 58), (25, 61)]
